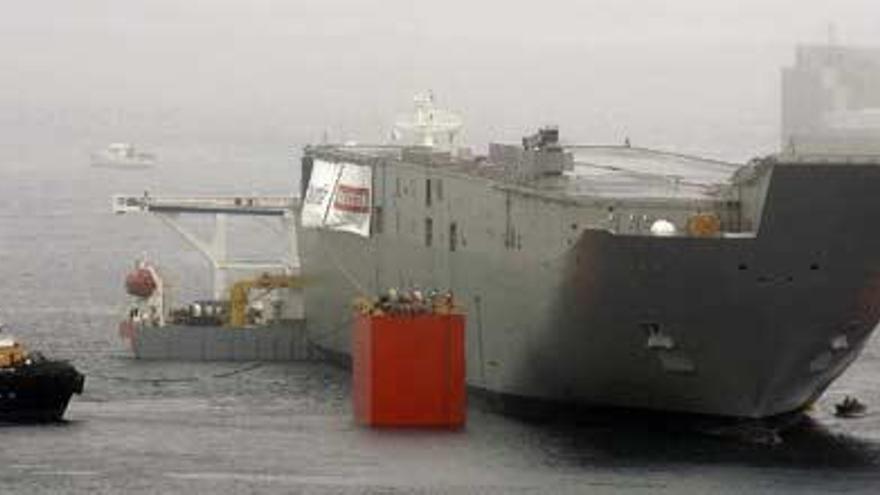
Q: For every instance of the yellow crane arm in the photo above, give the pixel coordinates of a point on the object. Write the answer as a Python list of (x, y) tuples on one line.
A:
[(238, 293)]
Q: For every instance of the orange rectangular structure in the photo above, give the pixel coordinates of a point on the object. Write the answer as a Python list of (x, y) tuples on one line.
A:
[(409, 370)]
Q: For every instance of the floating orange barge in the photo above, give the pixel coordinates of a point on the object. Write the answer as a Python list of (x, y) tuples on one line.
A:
[(409, 370)]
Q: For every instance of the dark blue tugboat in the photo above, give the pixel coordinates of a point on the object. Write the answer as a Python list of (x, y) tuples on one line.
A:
[(32, 387), (850, 407)]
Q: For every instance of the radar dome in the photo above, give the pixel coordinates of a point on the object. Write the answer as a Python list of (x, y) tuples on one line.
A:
[(663, 228)]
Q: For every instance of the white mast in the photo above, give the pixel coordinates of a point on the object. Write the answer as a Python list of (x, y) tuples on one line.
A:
[(428, 123)]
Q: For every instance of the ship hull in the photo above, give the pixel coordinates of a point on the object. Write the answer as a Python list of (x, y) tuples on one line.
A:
[(38, 392), (136, 162), (752, 327), (217, 343), (123, 165)]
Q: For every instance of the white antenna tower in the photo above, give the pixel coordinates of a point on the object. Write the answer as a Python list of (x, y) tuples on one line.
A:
[(428, 122), (832, 34)]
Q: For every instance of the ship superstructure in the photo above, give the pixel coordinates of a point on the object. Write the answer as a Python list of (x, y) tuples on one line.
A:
[(122, 156), (609, 275)]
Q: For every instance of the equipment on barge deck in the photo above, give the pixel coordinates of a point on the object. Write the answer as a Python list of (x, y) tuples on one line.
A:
[(260, 321), (246, 305), (242, 311)]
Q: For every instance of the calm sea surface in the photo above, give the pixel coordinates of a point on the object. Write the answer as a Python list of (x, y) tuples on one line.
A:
[(238, 428)]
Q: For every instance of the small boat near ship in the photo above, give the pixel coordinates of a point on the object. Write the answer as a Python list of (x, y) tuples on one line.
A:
[(850, 407), (34, 388), (123, 156)]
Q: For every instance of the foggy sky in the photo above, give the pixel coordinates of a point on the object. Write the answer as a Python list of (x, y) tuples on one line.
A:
[(690, 74)]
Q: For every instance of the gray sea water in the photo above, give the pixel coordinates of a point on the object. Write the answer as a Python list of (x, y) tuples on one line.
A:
[(287, 428)]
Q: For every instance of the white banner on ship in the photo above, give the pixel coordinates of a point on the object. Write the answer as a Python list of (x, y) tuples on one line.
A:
[(352, 200), (339, 197), (319, 193)]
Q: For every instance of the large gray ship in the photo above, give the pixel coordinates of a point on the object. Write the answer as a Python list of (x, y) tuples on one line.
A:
[(610, 275)]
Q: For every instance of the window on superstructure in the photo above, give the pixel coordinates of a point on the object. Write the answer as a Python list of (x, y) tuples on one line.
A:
[(453, 236), (428, 192), (429, 231), (439, 184), (378, 220), (397, 187)]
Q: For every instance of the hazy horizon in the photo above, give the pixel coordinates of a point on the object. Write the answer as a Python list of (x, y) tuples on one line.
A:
[(692, 76)]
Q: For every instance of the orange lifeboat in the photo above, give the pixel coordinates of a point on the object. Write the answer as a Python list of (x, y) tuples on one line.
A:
[(140, 283), (704, 225)]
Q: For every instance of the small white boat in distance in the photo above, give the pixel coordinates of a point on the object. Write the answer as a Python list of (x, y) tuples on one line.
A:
[(122, 155)]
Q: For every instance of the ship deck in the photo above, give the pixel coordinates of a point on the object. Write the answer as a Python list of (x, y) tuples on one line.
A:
[(599, 172), (625, 172)]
